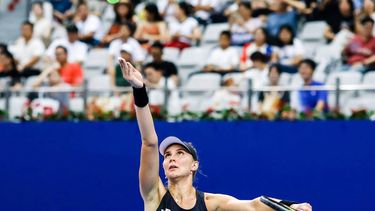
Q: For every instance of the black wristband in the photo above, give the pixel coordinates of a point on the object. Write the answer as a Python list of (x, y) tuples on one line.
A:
[(288, 203), (140, 96)]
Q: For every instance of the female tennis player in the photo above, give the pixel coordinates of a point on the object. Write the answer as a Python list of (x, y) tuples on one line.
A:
[(180, 165)]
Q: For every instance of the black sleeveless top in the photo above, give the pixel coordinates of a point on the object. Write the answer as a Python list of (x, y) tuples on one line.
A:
[(168, 203)]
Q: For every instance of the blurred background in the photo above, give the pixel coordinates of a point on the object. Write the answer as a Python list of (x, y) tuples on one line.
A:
[(290, 84)]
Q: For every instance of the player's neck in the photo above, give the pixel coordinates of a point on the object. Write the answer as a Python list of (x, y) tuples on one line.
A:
[(182, 189)]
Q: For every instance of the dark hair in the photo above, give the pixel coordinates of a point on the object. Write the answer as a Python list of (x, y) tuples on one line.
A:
[(3, 47), (81, 3), (289, 29), (265, 32), (226, 33), (157, 45), (351, 5), (366, 19), (130, 14), (186, 8), (13, 62), (62, 47), (131, 27), (28, 23), (258, 56), (276, 67), (40, 3), (311, 63), (72, 28), (246, 4), (153, 10)]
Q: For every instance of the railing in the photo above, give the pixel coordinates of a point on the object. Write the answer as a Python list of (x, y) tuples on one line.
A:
[(85, 92)]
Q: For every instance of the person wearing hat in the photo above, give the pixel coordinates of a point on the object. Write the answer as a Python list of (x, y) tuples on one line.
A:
[(180, 164)]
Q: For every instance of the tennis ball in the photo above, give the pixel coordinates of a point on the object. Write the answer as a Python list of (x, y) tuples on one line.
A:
[(113, 1)]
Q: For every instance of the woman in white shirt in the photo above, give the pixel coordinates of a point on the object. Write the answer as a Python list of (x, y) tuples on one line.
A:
[(42, 26), (243, 26), (185, 30), (290, 50)]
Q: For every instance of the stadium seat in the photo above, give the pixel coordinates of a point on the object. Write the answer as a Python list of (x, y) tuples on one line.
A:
[(349, 77), (313, 31), (171, 54), (346, 78), (96, 59), (99, 84), (16, 105), (212, 32), (199, 82)]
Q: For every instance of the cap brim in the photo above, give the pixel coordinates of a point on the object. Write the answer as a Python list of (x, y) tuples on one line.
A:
[(168, 142)]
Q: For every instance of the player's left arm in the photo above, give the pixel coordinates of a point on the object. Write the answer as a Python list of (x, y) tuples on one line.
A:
[(229, 203)]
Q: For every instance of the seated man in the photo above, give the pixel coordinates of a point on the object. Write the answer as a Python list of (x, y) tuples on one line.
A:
[(54, 80), (311, 100), (224, 58), (361, 50), (71, 73), (28, 51), (155, 80), (88, 25), (169, 68), (77, 50)]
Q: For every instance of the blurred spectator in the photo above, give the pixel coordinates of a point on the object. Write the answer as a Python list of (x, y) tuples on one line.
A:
[(138, 54), (42, 26), (154, 79), (272, 102), (169, 68), (28, 51), (153, 29), (47, 11), (339, 15), (311, 100), (290, 50), (8, 68), (53, 80), (281, 16), (368, 9), (258, 73), (259, 44), (224, 58), (361, 50), (232, 9), (185, 30), (204, 9), (77, 50), (117, 77), (3, 47), (123, 15), (88, 25), (224, 98), (167, 9), (62, 9), (71, 73), (244, 26)]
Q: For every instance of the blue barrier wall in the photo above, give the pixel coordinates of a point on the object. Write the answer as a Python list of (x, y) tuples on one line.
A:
[(94, 166)]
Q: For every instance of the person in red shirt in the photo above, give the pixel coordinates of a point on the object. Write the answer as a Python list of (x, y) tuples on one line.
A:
[(361, 50), (71, 73)]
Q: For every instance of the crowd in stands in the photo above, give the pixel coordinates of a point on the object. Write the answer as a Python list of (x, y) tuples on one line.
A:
[(260, 42)]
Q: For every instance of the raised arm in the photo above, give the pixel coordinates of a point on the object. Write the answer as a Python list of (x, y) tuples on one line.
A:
[(149, 167)]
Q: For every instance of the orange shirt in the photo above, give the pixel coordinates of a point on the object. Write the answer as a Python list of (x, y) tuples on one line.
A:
[(72, 74)]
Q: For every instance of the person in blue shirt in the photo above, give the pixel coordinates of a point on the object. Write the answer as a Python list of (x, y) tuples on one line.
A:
[(279, 17), (311, 100)]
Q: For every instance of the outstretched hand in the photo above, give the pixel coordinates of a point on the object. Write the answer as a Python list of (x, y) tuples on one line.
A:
[(130, 73), (302, 207)]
